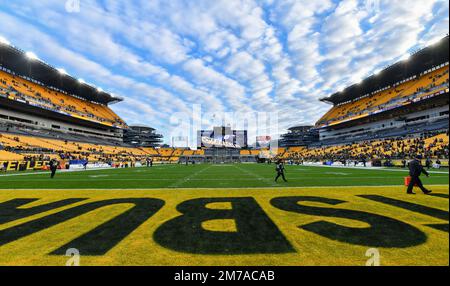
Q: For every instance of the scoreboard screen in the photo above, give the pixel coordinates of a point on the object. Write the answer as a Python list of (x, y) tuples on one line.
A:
[(222, 137)]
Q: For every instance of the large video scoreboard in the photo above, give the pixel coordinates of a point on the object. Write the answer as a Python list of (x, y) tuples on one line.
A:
[(222, 137)]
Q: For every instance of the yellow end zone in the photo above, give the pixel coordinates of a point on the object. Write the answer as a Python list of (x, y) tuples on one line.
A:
[(299, 226)]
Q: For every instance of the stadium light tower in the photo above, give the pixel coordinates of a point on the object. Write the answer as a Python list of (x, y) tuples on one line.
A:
[(31, 56), (80, 80), (99, 89), (4, 41)]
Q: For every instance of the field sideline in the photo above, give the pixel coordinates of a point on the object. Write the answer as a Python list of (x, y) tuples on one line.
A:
[(223, 215), (214, 176)]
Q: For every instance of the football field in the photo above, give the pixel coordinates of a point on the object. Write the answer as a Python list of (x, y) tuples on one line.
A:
[(223, 215), (214, 176)]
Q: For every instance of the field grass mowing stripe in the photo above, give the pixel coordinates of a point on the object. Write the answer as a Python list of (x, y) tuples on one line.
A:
[(224, 188), (191, 178), (33, 173), (159, 167), (211, 176), (267, 181)]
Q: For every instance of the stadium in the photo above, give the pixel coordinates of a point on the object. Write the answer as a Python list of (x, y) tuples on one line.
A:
[(125, 195)]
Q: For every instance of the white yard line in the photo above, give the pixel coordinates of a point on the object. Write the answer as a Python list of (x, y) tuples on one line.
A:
[(188, 178)]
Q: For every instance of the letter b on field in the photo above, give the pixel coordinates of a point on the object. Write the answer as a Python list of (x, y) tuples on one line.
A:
[(255, 231)]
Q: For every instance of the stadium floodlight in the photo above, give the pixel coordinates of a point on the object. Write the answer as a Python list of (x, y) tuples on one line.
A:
[(99, 89), (80, 80), (4, 41), (405, 57), (62, 71), (31, 56), (377, 72)]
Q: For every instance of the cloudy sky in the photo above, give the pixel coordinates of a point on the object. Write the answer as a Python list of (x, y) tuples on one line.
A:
[(163, 56)]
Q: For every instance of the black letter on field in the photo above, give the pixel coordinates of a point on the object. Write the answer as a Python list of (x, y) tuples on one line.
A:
[(10, 211), (383, 231), (256, 233), (97, 241), (436, 213)]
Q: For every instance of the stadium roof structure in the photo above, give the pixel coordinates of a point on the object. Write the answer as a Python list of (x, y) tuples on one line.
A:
[(303, 127), (422, 60), (141, 126), (26, 64)]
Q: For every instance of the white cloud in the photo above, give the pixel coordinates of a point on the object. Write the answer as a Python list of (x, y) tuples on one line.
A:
[(228, 55)]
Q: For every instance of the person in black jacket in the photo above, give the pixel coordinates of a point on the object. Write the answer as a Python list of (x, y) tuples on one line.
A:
[(280, 171), (53, 167), (415, 170)]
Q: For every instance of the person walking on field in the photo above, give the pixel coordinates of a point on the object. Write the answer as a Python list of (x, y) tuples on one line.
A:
[(415, 170), (280, 171), (53, 167)]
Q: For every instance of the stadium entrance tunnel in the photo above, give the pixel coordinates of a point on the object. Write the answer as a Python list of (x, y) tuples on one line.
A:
[(196, 225)]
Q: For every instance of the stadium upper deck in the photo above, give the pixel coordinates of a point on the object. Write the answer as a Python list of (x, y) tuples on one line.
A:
[(432, 82), (34, 82), (16, 88), (424, 75)]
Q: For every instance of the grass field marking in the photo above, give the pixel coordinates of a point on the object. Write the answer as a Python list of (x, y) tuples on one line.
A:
[(143, 168), (32, 173), (211, 176), (337, 173), (267, 181), (366, 168), (98, 176), (25, 174), (59, 171), (104, 178), (187, 178), (225, 188)]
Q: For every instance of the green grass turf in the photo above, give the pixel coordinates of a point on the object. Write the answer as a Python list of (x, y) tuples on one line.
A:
[(214, 176)]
